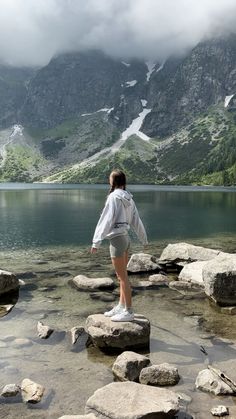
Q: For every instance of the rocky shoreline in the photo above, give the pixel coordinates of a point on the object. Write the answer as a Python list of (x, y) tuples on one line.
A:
[(181, 267)]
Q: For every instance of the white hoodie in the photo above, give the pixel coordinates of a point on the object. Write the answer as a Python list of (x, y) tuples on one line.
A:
[(118, 215)]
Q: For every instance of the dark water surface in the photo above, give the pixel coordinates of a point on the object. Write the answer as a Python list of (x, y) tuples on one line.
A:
[(48, 215), (45, 233)]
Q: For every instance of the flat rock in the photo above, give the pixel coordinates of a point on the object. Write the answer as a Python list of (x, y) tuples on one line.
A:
[(160, 375), (209, 382), (183, 286), (8, 282), (158, 279), (220, 411), (219, 276), (10, 390), (192, 272), (128, 366), (84, 283), (44, 331), (105, 333), (142, 262), (31, 392), (185, 252), (131, 400)]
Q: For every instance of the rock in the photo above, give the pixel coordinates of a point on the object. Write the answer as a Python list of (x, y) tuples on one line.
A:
[(31, 392), (131, 400), (192, 272), (228, 310), (142, 262), (89, 416), (22, 342), (183, 285), (210, 382), (160, 375), (10, 390), (21, 283), (219, 277), (158, 279), (8, 282), (185, 252), (76, 332), (143, 285), (43, 331), (83, 283), (128, 366), (220, 411), (107, 334)]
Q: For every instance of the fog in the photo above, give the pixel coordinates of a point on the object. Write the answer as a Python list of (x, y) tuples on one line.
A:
[(33, 31)]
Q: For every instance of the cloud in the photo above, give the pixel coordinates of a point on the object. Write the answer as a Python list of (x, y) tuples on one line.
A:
[(32, 31)]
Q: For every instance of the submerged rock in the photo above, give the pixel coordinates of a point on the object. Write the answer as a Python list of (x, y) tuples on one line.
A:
[(210, 382), (10, 390), (44, 331), (219, 276), (131, 400), (105, 333), (185, 252), (160, 375), (159, 279), (142, 262), (31, 392), (84, 283), (89, 416), (8, 282), (128, 366)]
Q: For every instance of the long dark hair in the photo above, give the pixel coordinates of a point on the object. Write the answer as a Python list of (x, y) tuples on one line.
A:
[(118, 180)]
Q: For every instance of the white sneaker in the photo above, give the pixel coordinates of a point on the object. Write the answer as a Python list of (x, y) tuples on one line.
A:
[(115, 310), (124, 316)]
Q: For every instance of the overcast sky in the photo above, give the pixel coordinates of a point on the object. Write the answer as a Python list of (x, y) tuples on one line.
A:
[(32, 31)]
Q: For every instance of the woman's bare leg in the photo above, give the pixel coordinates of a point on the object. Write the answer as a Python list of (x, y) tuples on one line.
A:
[(120, 265)]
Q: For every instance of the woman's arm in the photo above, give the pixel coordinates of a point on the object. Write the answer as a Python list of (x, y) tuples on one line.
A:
[(138, 227)]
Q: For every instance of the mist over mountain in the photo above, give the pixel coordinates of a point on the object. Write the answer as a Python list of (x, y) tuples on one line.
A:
[(84, 113)]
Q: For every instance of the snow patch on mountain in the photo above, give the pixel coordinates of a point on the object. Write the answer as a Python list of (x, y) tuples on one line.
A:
[(151, 67), (126, 64), (133, 129), (144, 103), (108, 110), (131, 83), (228, 99)]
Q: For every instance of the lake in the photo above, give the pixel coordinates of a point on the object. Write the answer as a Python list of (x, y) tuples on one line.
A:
[(45, 235), (59, 215)]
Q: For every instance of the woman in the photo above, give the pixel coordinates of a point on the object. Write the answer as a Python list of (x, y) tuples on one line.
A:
[(118, 215)]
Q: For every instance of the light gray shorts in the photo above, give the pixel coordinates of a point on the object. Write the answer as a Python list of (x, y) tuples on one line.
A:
[(119, 245)]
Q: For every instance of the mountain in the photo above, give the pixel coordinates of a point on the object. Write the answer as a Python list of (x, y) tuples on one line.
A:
[(85, 113)]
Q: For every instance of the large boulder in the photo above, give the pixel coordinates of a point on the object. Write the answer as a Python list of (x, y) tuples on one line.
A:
[(8, 282), (84, 283), (104, 333), (192, 272), (142, 262), (209, 382), (160, 375), (31, 392), (131, 400), (128, 366), (185, 252), (219, 276)]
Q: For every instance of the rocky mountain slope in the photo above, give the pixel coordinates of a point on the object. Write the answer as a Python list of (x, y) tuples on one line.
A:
[(85, 113)]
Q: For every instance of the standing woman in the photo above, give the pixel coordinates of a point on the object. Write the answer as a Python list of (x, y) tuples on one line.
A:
[(118, 215)]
